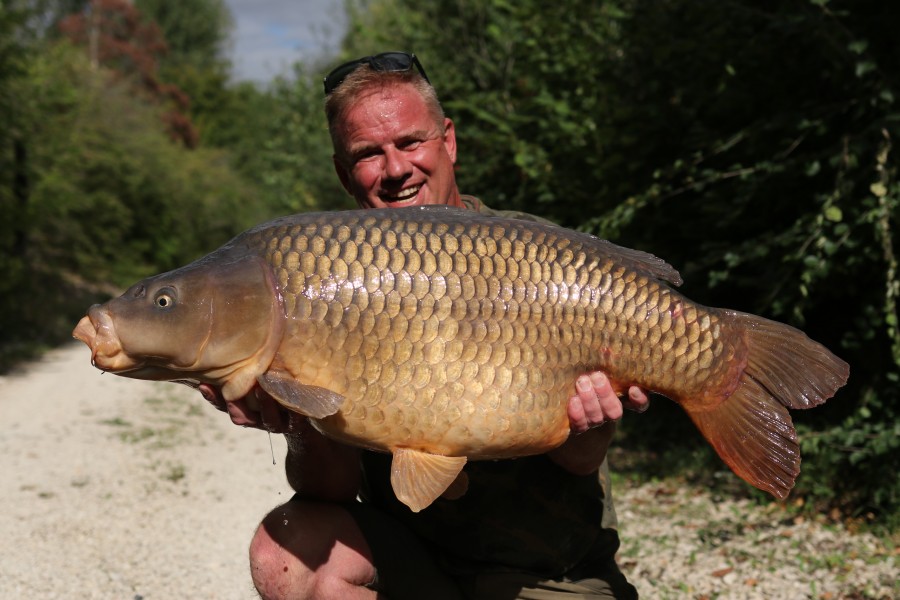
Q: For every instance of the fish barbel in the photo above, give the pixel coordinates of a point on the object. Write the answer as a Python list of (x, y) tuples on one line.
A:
[(441, 335)]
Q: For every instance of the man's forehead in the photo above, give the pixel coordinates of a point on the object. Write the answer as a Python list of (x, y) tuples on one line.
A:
[(379, 98), (387, 115)]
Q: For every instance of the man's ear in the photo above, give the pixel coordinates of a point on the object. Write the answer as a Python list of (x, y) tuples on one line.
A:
[(450, 139), (342, 173)]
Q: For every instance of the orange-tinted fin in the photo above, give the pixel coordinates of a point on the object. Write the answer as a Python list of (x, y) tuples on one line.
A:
[(418, 478), (755, 436), (310, 400), (751, 429)]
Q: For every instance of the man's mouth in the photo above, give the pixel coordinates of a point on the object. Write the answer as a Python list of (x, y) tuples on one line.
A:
[(403, 195)]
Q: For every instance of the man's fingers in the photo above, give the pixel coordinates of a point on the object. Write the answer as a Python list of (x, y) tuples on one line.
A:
[(609, 406), (637, 400), (578, 422), (210, 394), (242, 415)]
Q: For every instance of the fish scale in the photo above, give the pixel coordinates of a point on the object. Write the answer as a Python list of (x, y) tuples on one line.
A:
[(441, 336)]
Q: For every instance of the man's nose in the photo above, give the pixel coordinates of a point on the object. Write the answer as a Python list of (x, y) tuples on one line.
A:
[(395, 164)]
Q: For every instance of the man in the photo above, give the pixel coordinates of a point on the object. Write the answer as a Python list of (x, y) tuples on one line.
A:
[(536, 527)]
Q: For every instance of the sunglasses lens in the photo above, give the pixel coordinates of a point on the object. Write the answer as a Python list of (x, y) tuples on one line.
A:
[(334, 79), (391, 62)]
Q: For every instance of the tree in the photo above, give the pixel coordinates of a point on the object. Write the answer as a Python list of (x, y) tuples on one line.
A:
[(197, 32), (110, 197), (118, 37)]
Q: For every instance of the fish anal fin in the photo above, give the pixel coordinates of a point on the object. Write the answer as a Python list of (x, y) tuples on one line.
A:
[(310, 400), (753, 433), (419, 478)]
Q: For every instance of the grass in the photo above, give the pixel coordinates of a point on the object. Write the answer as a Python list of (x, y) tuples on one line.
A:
[(159, 422)]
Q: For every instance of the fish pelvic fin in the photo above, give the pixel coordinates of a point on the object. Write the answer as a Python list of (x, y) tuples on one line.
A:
[(310, 400), (419, 478), (751, 429)]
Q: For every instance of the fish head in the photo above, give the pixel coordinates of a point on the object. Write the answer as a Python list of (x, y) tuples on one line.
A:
[(217, 320)]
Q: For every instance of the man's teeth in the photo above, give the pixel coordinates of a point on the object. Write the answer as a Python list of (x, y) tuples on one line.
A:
[(405, 194)]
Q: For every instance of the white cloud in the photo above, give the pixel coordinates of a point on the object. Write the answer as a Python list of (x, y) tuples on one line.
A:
[(270, 35)]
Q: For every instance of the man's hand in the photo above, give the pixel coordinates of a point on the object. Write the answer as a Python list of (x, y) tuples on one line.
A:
[(595, 402), (257, 409)]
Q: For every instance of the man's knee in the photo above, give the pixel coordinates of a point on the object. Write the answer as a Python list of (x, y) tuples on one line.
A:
[(281, 554), (300, 547)]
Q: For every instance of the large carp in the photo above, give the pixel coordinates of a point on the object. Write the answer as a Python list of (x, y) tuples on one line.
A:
[(441, 335)]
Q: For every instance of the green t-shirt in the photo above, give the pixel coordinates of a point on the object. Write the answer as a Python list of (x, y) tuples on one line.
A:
[(526, 513)]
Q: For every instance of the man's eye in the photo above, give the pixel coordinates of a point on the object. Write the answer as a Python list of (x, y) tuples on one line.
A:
[(365, 156), (410, 144)]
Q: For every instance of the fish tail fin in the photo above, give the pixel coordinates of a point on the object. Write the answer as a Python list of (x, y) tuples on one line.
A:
[(751, 429)]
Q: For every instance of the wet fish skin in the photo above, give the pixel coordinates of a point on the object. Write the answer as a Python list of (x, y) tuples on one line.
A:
[(441, 335)]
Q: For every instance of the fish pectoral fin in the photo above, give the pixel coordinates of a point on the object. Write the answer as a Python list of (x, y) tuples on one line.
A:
[(418, 478), (310, 400)]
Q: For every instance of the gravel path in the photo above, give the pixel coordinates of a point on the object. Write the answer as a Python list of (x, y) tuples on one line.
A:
[(119, 489)]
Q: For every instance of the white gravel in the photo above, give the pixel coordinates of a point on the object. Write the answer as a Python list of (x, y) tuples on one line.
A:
[(681, 543), (124, 489), (120, 489)]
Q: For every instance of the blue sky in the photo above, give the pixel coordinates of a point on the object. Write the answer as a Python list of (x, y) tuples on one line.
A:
[(270, 35)]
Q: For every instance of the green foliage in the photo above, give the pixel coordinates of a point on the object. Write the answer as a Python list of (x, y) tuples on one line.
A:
[(106, 198), (297, 172), (196, 31), (196, 34)]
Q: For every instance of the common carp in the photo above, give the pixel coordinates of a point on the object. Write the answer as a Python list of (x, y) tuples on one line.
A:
[(441, 336)]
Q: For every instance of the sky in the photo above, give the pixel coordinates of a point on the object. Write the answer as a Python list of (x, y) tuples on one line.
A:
[(270, 35)]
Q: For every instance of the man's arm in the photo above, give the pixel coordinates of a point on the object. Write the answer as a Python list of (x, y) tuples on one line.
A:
[(319, 468)]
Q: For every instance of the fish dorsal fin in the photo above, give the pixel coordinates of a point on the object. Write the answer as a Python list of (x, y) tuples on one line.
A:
[(418, 478), (642, 261), (310, 400)]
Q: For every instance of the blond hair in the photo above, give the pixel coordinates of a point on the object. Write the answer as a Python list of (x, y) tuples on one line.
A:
[(364, 80)]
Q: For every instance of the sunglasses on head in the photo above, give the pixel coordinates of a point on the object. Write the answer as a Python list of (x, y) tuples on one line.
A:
[(389, 62)]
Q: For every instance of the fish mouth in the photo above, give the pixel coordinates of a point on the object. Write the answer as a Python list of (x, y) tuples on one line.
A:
[(402, 197), (98, 332)]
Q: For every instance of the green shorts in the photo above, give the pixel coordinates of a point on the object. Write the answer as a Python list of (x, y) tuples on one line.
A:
[(409, 570)]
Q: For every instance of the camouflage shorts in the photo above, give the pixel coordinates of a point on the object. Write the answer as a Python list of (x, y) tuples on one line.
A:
[(408, 570)]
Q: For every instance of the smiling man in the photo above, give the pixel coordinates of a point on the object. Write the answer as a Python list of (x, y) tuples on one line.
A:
[(393, 145), (536, 527)]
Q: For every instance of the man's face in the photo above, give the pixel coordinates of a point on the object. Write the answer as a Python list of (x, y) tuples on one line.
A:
[(392, 153)]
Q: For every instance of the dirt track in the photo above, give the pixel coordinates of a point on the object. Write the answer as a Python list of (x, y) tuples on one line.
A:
[(114, 488)]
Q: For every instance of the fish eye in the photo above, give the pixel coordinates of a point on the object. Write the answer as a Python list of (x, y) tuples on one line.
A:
[(164, 299)]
